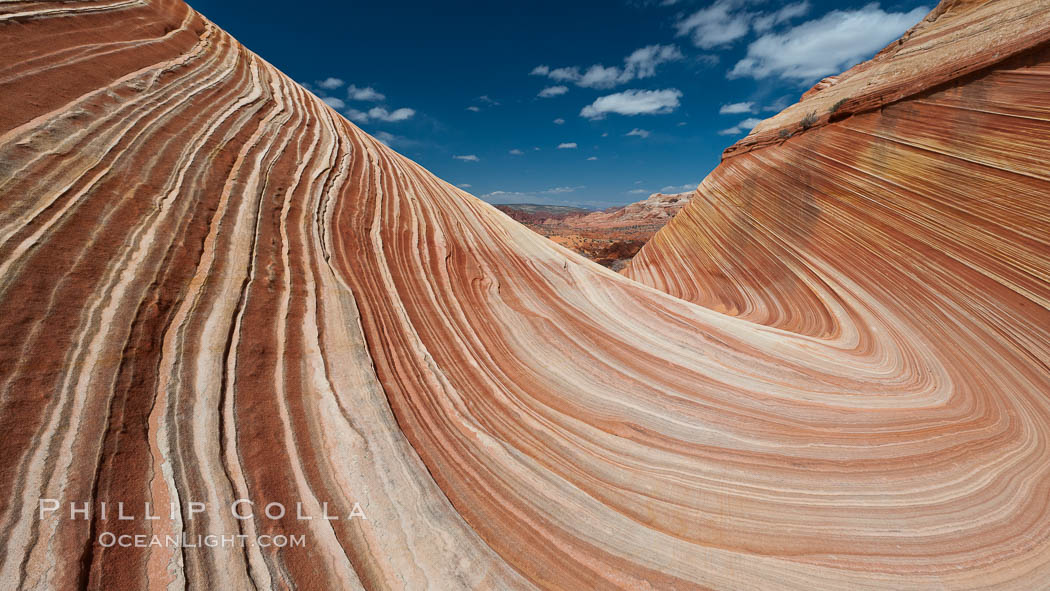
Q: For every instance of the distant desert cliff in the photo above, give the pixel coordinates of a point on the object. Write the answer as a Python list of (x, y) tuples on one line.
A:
[(610, 237)]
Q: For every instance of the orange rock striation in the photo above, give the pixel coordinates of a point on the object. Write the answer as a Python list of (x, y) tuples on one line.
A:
[(213, 288)]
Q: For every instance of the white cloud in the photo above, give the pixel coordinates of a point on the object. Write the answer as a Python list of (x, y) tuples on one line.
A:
[(745, 125), (679, 188), (333, 102), (707, 60), (553, 91), (737, 108), (560, 190), (387, 138), (828, 45), (638, 191), (565, 74), (559, 121), (364, 94), (468, 158), (598, 76), (766, 22), (465, 185), (642, 63), (638, 132), (375, 113), (485, 99), (726, 21), (634, 102), (516, 152), (391, 116), (567, 146), (474, 108), (593, 158), (331, 83), (716, 25), (606, 134), (358, 116)]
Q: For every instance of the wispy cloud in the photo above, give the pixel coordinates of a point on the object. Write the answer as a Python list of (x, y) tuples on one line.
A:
[(679, 188), (366, 93), (395, 115), (381, 114), (553, 91), (593, 158), (737, 108), (464, 185), (565, 74), (642, 133), (396, 141), (559, 121), (541, 196), (641, 63), (335, 103), (765, 22), (485, 100), (778, 105), (377, 113), (726, 21), (745, 125), (634, 102), (828, 45), (718, 24), (468, 158), (560, 190), (516, 152), (567, 146), (330, 83)]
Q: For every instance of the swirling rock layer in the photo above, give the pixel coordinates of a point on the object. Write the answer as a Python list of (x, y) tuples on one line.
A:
[(213, 288)]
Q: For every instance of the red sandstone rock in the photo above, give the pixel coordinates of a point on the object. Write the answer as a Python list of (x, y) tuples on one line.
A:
[(213, 287)]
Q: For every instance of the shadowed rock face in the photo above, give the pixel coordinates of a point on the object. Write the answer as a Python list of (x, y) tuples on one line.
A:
[(212, 287)]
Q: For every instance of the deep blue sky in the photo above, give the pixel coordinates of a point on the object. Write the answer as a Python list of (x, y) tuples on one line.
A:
[(469, 74)]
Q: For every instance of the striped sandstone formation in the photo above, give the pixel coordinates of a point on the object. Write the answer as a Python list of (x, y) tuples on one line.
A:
[(212, 287)]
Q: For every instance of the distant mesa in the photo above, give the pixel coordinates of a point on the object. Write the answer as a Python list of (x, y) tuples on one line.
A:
[(610, 237)]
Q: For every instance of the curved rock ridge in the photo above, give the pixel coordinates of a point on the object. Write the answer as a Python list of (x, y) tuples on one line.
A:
[(959, 37), (213, 288)]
